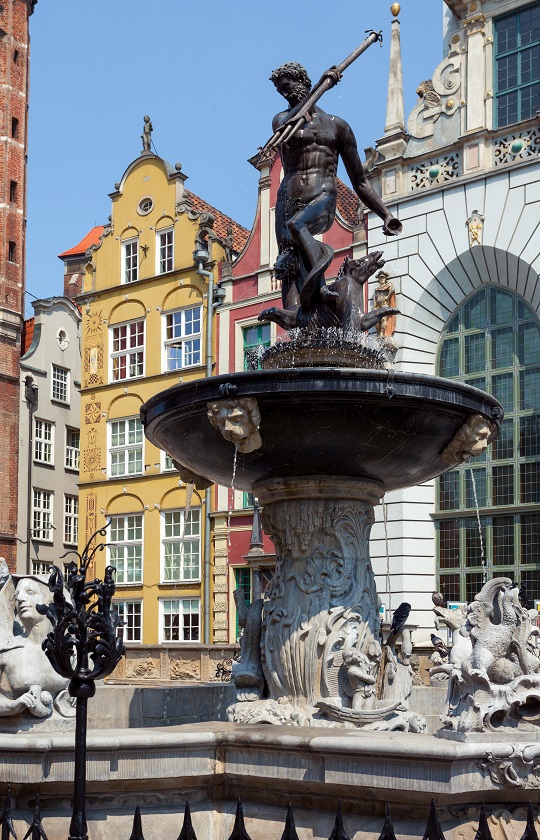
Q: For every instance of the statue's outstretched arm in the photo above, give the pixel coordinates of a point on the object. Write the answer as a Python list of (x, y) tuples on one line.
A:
[(348, 150)]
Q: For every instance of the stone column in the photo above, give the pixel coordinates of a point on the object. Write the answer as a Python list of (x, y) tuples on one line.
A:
[(323, 601), (476, 72)]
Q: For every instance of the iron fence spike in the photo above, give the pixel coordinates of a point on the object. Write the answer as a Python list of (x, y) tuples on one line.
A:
[(433, 828), (338, 832), (36, 830), (239, 829), (483, 832), (290, 828), (137, 832), (530, 832), (188, 832), (387, 832), (6, 819)]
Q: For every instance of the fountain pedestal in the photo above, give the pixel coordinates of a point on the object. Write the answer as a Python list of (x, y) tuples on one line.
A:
[(323, 601)]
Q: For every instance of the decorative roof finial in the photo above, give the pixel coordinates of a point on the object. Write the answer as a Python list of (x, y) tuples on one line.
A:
[(146, 136), (395, 108)]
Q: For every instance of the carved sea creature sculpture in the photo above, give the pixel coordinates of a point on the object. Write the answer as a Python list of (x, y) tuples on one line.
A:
[(247, 674), (496, 619), (498, 684), (343, 309)]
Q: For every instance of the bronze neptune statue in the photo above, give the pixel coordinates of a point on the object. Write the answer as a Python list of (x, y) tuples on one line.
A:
[(306, 203)]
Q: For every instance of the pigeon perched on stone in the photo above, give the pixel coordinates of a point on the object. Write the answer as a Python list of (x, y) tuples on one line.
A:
[(438, 643), (400, 619), (438, 599), (524, 598)]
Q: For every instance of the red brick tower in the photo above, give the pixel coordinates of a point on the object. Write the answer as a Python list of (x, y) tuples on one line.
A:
[(14, 67)]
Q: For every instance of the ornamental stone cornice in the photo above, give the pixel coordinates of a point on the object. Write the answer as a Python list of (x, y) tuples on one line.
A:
[(474, 24)]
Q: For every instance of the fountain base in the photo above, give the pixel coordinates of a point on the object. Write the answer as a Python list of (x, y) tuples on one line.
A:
[(318, 640)]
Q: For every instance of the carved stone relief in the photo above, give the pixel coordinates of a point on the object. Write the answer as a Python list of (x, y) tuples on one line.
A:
[(92, 413), (93, 352), (184, 669), (517, 146), (434, 172), (91, 527), (142, 668)]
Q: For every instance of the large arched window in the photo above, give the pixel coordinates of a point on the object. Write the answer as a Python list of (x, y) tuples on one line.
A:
[(493, 343)]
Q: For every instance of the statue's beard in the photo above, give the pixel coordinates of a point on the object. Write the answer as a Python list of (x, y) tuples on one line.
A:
[(297, 93)]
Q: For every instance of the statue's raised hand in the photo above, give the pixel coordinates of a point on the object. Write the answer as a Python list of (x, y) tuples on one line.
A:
[(392, 226)]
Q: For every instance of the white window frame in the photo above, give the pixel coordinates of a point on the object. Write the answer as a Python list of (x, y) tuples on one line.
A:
[(42, 514), (183, 339), (180, 538), (71, 519), (120, 606), (163, 612), (42, 444), (130, 352), (130, 425), (130, 266), (66, 383), (165, 251), (137, 569), (41, 567), (72, 453), (165, 458)]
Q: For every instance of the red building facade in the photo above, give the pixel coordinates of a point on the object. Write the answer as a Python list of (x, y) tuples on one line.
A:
[(14, 74)]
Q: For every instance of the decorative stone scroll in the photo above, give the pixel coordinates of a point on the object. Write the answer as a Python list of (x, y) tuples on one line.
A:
[(434, 98), (519, 769), (470, 441), (238, 420)]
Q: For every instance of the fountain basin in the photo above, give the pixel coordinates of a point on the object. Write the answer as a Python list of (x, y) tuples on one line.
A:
[(373, 425)]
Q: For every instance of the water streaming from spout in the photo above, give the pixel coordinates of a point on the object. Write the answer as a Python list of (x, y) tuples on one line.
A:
[(187, 508), (385, 519), (482, 554), (231, 496)]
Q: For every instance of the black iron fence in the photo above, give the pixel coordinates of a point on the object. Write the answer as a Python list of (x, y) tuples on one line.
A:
[(433, 830)]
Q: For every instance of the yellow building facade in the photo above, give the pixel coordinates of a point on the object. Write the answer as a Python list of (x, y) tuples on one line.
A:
[(145, 316)]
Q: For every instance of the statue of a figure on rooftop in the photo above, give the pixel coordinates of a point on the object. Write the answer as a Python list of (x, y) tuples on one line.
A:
[(306, 202), (146, 136)]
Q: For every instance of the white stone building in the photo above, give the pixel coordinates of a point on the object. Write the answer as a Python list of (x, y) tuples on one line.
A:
[(49, 436), (463, 176)]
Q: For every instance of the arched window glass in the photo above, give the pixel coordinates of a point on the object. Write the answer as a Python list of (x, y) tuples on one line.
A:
[(493, 343)]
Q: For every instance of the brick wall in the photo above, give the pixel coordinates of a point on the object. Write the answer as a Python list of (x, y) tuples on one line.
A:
[(14, 46)]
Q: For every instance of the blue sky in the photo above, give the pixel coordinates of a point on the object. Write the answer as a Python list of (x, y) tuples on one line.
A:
[(201, 71)]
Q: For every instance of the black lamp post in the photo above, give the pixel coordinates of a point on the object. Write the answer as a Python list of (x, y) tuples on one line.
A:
[(82, 647)]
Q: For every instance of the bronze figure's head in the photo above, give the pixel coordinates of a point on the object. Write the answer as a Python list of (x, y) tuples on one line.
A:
[(292, 81)]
